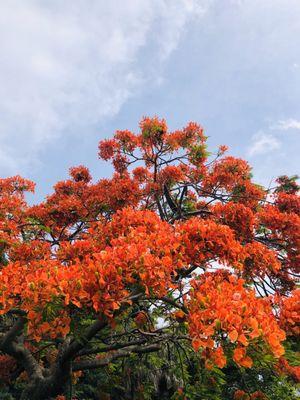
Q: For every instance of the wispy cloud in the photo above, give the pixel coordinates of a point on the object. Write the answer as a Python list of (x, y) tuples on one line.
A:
[(286, 124), (67, 64), (263, 143)]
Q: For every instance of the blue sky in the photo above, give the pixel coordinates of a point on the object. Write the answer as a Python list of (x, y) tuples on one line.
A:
[(74, 71)]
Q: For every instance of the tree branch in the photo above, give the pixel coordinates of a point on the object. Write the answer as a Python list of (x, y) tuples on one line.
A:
[(22, 355), (174, 303), (98, 363), (76, 345), (115, 346)]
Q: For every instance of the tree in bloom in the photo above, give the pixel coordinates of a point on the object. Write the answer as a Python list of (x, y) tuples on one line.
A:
[(179, 260)]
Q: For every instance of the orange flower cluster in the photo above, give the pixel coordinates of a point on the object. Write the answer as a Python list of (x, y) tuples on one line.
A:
[(284, 229), (77, 200), (241, 395), (142, 249), (222, 311), (12, 209), (228, 173), (259, 259), (289, 203), (284, 368), (290, 313), (206, 240), (238, 217)]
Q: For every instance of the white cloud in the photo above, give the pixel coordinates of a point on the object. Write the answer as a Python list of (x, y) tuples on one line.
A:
[(68, 63), (286, 124), (263, 143)]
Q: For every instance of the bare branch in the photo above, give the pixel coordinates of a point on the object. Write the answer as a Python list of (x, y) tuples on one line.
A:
[(98, 363), (170, 201), (174, 303), (116, 346), (10, 346)]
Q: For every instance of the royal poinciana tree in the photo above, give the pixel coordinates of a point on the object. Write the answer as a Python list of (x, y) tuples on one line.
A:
[(178, 251)]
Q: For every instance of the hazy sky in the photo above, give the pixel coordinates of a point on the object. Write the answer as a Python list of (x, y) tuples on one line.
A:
[(74, 71)]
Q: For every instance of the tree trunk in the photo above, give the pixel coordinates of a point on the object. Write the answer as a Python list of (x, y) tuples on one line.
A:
[(49, 387)]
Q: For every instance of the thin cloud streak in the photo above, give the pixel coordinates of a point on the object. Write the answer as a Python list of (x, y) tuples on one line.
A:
[(287, 124), (263, 143)]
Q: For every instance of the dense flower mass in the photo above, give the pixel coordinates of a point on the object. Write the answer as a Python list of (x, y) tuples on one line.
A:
[(223, 311), (178, 253), (290, 313)]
